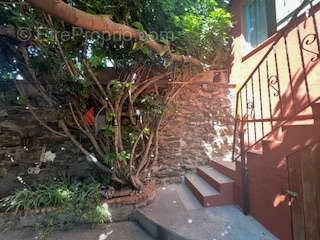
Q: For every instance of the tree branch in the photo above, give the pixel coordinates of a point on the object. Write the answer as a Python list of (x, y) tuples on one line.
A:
[(30, 108), (90, 156), (3, 32), (87, 132), (50, 22), (145, 156), (104, 24)]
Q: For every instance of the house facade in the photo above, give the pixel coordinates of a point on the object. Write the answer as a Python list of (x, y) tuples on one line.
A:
[(274, 171), (274, 61)]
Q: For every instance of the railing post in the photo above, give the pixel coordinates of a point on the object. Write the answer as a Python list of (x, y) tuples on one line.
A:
[(235, 127), (244, 175)]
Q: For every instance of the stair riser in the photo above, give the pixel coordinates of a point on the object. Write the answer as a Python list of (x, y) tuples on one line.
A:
[(195, 191), (215, 201), (225, 188), (211, 201), (209, 180), (222, 169)]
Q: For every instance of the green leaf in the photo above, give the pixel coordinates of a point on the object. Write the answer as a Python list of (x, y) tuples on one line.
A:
[(95, 61), (110, 158), (150, 37), (147, 130), (145, 49), (22, 100), (110, 116), (127, 85), (165, 41), (136, 46), (163, 51), (123, 155), (109, 130), (138, 25)]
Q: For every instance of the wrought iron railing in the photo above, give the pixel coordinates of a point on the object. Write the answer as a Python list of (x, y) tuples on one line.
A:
[(280, 87)]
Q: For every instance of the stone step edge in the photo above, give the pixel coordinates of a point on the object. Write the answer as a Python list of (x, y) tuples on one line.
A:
[(223, 168), (154, 228), (214, 182), (201, 198)]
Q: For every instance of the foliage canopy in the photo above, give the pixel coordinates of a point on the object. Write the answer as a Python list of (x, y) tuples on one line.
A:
[(74, 70)]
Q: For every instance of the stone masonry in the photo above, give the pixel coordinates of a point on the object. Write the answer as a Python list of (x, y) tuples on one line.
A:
[(21, 142), (200, 130)]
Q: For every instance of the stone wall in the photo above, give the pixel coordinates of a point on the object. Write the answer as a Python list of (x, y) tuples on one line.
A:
[(21, 142), (199, 131)]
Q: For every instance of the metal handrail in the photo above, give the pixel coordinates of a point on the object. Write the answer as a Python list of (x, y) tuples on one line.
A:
[(277, 39), (244, 86)]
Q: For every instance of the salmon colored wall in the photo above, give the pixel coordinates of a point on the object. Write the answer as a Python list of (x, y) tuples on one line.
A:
[(267, 105), (293, 96)]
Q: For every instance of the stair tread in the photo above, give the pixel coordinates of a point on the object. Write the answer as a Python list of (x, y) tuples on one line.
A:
[(299, 126), (226, 164), (259, 152), (272, 140), (216, 175), (201, 185)]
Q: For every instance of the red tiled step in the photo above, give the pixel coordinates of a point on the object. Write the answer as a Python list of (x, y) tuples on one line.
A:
[(205, 193), (216, 179), (224, 167), (201, 189)]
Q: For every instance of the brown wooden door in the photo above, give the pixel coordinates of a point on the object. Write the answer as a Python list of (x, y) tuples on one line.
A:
[(304, 182)]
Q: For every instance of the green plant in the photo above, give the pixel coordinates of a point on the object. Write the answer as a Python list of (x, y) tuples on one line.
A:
[(126, 89), (73, 202), (9, 223)]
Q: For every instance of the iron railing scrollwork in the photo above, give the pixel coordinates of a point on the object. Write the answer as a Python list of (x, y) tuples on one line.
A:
[(273, 83), (264, 98), (308, 41)]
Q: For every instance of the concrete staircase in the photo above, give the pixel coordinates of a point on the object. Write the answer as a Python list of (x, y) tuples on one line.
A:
[(210, 187)]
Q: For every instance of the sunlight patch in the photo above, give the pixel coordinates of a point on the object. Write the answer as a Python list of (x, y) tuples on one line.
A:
[(104, 236)]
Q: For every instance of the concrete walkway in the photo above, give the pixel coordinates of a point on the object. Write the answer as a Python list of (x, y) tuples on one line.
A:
[(175, 215), (114, 231), (178, 215)]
